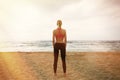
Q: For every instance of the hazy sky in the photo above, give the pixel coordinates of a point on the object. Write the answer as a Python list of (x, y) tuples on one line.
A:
[(83, 19)]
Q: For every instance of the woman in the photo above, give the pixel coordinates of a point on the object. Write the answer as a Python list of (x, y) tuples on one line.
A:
[(59, 43)]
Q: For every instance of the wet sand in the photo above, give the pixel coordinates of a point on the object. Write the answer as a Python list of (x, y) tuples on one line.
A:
[(80, 66)]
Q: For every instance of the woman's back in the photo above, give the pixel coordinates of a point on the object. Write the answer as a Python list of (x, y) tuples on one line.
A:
[(60, 35)]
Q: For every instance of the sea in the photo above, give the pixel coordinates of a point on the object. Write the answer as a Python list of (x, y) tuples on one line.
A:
[(72, 46)]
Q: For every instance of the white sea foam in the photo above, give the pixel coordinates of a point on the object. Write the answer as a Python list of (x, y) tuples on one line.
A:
[(74, 46)]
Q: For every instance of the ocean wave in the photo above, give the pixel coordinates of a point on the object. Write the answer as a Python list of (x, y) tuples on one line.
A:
[(81, 46)]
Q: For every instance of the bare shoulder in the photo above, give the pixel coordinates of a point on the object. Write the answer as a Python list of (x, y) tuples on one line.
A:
[(54, 30), (64, 30)]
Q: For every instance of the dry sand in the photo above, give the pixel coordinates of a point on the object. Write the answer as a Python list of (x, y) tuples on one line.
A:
[(80, 66)]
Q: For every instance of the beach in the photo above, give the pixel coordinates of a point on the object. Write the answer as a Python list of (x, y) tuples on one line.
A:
[(39, 66)]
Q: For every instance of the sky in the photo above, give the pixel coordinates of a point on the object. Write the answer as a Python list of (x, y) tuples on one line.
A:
[(31, 20)]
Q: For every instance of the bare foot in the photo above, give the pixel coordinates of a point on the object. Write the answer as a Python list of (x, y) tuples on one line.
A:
[(55, 74), (65, 75)]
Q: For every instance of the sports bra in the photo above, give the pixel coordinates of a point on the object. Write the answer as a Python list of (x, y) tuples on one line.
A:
[(59, 33)]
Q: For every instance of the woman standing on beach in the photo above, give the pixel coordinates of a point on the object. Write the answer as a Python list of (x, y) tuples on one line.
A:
[(59, 43)]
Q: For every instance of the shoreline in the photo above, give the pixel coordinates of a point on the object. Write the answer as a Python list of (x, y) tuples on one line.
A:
[(66, 52)]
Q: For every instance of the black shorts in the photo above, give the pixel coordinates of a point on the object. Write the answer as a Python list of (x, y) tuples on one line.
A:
[(61, 47)]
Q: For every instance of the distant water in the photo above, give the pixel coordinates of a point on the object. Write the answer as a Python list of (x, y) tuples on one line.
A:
[(72, 46)]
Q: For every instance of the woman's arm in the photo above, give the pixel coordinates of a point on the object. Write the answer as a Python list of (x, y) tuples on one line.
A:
[(65, 38), (53, 39)]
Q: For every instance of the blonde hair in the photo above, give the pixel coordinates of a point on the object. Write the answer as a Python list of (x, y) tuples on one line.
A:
[(59, 22)]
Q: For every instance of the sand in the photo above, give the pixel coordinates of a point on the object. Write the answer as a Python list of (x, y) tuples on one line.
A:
[(80, 66)]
